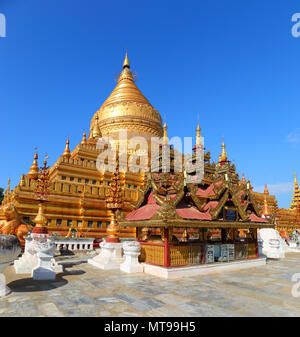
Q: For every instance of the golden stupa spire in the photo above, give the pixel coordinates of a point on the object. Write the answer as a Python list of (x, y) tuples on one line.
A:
[(224, 154), (8, 185), (266, 191), (198, 136), (83, 141), (67, 152), (296, 194), (34, 169), (126, 61), (265, 208), (96, 131), (165, 136), (243, 178)]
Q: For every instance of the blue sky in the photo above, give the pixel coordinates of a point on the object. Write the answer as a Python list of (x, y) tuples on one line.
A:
[(233, 63)]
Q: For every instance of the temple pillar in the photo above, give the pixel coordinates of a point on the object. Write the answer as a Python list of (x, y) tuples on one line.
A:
[(166, 248), (256, 242)]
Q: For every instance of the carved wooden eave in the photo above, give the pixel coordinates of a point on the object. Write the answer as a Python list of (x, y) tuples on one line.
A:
[(180, 222), (254, 203), (199, 202)]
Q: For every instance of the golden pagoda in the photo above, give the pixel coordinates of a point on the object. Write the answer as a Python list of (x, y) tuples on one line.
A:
[(127, 109), (296, 194), (78, 191), (288, 220)]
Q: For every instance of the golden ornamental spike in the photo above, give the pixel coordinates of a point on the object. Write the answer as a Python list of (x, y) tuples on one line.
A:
[(266, 212), (198, 137), (83, 141), (224, 154), (67, 152), (126, 61), (165, 136), (34, 169)]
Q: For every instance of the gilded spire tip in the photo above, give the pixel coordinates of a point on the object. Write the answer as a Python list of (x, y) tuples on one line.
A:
[(126, 61)]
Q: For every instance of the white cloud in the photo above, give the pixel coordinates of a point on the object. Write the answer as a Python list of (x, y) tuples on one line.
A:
[(294, 136), (277, 189)]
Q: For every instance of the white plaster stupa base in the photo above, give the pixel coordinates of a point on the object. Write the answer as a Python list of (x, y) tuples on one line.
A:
[(4, 290), (44, 270), (110, 256), (131, 264), (26, 263)]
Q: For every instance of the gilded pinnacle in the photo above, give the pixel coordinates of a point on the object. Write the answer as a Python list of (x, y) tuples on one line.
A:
[(126, 61)]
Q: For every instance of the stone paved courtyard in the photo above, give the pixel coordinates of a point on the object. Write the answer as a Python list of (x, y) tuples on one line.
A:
[(83, 290)]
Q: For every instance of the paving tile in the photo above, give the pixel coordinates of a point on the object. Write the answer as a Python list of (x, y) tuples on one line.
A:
[(88, 292), (172, 299)]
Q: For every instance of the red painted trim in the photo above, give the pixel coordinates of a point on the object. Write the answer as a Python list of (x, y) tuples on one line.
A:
[(113, 240), (40, 230)]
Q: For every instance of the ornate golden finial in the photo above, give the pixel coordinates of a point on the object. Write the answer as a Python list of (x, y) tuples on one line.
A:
[(165, 136), (34, 169), (295, 181), (266, 190), (7, 193), (43, 182), (8, 185), (22, 181), (224, 154), (83, 141), (266, 212), (198, 137), (114, 202), (126, 61), (243, 178), (96, 131), (67, 152)]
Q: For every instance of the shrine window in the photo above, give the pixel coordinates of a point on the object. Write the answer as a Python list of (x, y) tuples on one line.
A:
[(71, 178), (107, 224), (99, 224), (79, 180), (135, 187), (69, 223), (63, 178), (26, 219), (58, 222), (79, 223), (90, 223), (94, 182), (129, 186), (86, 181)]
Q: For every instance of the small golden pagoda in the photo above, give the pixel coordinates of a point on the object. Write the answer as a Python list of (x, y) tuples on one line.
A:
[(288, 220), (296, 194)]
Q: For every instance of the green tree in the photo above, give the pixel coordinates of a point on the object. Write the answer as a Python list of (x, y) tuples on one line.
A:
[(1, 194)]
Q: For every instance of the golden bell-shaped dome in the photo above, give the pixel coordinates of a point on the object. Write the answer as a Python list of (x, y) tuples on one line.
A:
[(127, 109)]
